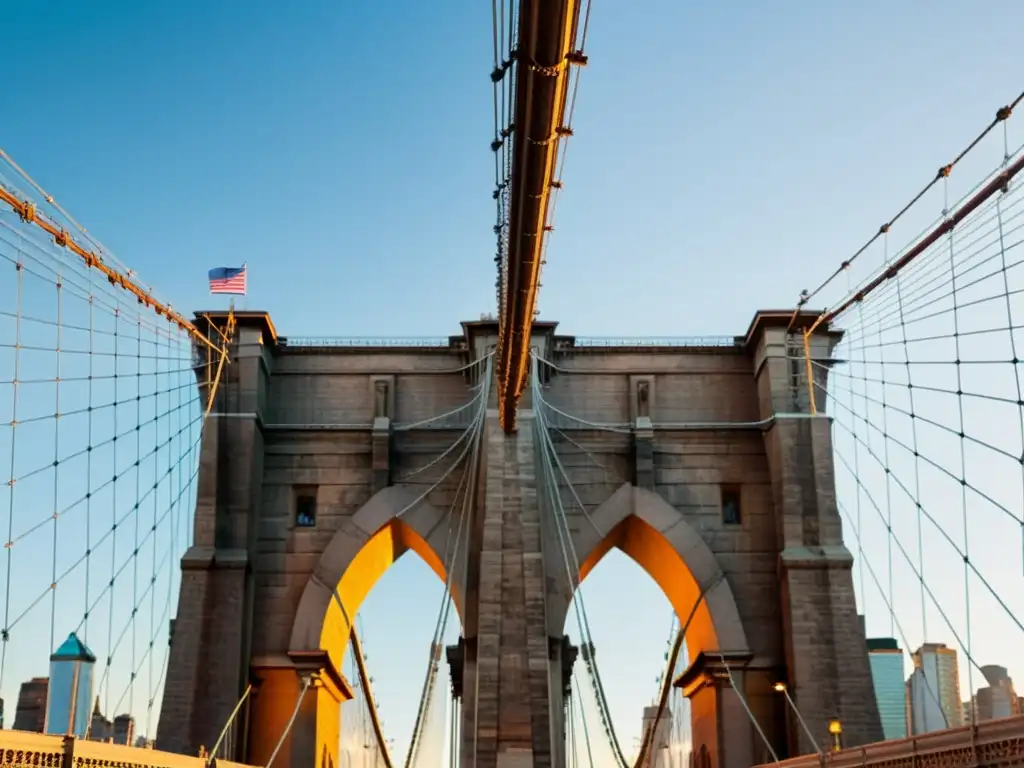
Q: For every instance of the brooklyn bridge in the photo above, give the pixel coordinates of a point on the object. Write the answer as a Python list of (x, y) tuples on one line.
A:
[(199, 504)]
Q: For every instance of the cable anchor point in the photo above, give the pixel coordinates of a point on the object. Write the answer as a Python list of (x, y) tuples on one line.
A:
[(576, 59), (27, 212)]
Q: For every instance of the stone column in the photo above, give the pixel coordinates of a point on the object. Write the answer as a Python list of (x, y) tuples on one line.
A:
[(315, 733), (720, 726), (562, 659), (641, 412), (209, 656), (506, 666), (185, 671), (826, 654), (643, 454), (383, 391)]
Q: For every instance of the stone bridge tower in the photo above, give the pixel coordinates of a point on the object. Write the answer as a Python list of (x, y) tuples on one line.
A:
[(715, 478)]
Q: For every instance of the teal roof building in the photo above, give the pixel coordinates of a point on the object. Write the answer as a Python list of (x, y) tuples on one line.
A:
[(70, 695)]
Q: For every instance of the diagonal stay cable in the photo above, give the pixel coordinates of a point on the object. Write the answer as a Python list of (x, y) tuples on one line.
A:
[(470, 473), (572, 570)]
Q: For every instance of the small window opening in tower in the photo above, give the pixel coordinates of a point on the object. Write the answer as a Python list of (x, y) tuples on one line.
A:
[(731, 514), (305, 511)]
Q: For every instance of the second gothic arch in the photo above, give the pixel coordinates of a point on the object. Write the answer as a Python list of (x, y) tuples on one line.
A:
[(656, 536)]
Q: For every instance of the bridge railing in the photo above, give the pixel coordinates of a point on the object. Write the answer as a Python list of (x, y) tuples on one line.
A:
[(22, 749), (359, 342), (986, 745), (589, 342)]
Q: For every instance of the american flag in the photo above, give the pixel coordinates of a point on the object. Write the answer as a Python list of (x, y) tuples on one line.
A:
[(228, 280)]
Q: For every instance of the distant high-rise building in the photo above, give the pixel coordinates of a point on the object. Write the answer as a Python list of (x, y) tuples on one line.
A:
[(100, 727), (886, 659), (30, 714), (998, 699), (71, 667), (968, 707), (124, 729), (658, 751), (933, 690)]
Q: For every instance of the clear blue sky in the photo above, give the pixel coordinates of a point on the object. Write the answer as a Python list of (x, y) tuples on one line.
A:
[(726, 156)]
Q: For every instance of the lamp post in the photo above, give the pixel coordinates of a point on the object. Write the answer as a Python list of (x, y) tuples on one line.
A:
[(781, 688), (835, 729)]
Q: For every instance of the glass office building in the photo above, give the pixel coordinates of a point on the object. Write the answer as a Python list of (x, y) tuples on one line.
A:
[(934, 690), (886, 659), (998, 699), (68, 707)]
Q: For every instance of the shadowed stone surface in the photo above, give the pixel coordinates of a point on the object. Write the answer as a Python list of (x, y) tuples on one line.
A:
[(689, 424)]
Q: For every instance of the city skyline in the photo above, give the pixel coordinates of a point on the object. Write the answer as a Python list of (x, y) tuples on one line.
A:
[(63, 703), (929, 697)]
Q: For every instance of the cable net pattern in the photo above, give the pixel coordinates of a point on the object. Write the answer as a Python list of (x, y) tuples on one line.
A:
[(100, 420), (925, 395)]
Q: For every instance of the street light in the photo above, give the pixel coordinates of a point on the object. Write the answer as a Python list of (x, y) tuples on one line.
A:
[(780, 687), (835, 728)]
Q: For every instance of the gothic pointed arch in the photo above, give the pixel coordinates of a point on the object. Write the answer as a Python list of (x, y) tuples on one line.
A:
[(660, 540), (392, 523), (657, 536)]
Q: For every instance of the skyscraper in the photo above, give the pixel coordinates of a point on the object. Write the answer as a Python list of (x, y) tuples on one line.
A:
[(100, 727), (124, 729), (968, 708), (30, 713), (886, 659), (657, 753), (933, 690), (71, 666), (998, 699)]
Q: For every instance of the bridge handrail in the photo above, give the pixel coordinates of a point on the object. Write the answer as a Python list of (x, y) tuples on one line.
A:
[(341, 342), (332, 342), (657, 341), (987, 732), (24, 749)]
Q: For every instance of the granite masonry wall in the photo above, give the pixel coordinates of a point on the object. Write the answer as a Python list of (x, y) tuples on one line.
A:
[(692, 427)]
